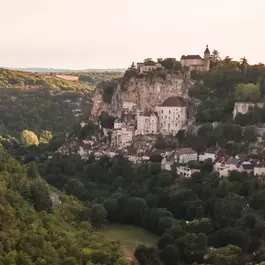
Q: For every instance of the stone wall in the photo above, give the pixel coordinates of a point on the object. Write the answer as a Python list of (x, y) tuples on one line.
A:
[(145, 91)]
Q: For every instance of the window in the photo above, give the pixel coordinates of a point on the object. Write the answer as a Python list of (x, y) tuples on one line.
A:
[(165, 116), (162, 111), (169, 111)]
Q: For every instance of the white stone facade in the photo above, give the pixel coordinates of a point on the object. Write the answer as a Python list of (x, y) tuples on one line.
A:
[(148, 67), (123, 136), (172, 116), (147, 123), (206, 156), (118, 124), (186, 172), (259, 170), (126, 105)]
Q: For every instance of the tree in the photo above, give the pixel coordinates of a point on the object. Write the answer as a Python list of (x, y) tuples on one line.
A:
[(45, 137), (170, 255), (164, 240), (243, 64), (248, 92), (29, 138), (135, 210), (32, 171), (215, 58), (230, 255), (98, 214), (250, 134)]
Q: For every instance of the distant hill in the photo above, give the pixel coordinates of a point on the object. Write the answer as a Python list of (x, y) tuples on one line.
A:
[(53, 70)]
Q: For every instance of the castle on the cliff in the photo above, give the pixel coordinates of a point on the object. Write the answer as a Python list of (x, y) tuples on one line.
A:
[(196, 62), (188, 63)]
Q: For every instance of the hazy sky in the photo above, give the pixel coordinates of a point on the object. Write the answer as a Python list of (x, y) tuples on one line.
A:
[(112, 33)]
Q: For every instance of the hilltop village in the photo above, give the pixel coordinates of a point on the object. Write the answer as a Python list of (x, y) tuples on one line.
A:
[(137, 127)]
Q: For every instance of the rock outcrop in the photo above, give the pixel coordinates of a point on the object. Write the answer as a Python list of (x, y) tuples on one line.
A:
[(146, 91)]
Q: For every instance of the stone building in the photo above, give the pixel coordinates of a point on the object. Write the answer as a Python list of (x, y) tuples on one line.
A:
[(118, 124), (147, 122), (172, 115), (196, 62), (123, 136), (148, 66)]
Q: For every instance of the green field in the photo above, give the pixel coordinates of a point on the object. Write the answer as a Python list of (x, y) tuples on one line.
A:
[(129, 236)]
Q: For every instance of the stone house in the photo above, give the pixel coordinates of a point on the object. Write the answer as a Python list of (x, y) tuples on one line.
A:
[(172, 115), (259, 169), (148, 66), (147, 122), (208, 154), (196, 62), (185, 155), (123, 136)]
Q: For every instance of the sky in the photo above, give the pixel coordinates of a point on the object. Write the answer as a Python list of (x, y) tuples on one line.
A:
[(81, 34)]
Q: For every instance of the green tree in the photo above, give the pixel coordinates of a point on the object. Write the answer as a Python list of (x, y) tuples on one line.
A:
[(45, 137), (98, 214), (247, 92), (230, 255)]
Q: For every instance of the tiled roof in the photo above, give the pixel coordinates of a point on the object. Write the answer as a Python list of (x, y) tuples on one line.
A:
[(148, 113), (191, 57), (185, 151), (174, 102)]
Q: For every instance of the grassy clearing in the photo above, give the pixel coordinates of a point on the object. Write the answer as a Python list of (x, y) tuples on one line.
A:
[(129, 236)]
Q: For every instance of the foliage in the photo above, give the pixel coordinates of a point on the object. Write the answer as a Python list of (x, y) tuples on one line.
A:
[(44, 102), (29, 138), (37, 230), (45, 137), (247, 92), (189, 217)]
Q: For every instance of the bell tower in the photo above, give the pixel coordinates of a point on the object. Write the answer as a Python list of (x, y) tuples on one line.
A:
[(207, 58)]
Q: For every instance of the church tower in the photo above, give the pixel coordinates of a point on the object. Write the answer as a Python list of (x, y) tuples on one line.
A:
[(207, 58)]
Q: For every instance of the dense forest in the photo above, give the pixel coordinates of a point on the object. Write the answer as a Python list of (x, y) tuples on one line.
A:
[(204, 219), (42, 226)]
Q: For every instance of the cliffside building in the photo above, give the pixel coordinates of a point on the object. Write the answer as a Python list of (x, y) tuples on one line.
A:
[(123, 136), (148, 66), (172, 115), (196, 62), (147, 123)]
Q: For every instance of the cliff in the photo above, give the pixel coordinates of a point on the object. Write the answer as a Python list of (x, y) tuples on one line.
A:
[(146, 91)]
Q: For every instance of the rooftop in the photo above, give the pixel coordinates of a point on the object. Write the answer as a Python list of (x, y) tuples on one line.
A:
[(185, 151), (174, 102), (191, 57)]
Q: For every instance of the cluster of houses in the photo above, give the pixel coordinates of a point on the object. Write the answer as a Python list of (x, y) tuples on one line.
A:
[(222, 163), (167, 119), (180, 158)]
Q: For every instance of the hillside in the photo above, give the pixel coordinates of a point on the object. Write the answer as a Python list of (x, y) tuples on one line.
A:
[(40, 102), (54, 70), (37, 229)]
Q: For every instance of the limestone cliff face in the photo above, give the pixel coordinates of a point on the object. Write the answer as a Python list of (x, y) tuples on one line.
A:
[(145, 91)]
